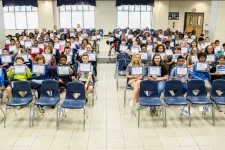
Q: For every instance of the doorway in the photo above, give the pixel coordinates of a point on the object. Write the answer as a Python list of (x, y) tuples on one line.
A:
[(194, 21)]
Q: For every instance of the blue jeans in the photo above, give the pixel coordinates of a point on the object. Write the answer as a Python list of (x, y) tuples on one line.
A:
[(161, 87), (185, 87)]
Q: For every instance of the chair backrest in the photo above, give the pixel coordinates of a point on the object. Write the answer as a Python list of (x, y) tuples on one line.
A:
[(149, 86), (101, 31), (50, 85), (75, 87), (19, 86), (122, 64), (122, 56), (218, 85), (176, 86), (196, 85)]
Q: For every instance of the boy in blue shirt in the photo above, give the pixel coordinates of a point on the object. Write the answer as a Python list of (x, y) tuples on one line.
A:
[(182, 78), (202, 75)]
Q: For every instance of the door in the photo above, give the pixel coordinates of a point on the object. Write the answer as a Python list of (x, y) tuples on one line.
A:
[(194, 21)]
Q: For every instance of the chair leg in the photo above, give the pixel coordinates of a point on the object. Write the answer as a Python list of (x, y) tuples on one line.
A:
[(30, 116), (182, 111), (84, 120), (213, 113), (57, 117), (5, 116), (117, 82), (138, 117), (33, 115), (164, 116), (115, 72), (93, 99), (124, 103), (14, 110), (95, 94), (189, 114)]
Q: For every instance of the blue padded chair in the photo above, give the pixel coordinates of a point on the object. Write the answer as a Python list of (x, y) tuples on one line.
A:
[(122, 66), (119, 57), (173, 100), (128, 87), (88, 31), (101, 31), (152, 31), (200, 98), (217, 99), (70, 102), (152, 99), (50, 96), (17, 99)]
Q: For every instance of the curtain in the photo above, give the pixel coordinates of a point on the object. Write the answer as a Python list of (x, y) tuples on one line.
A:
[(76, 2), (134, 2), (20, 3)]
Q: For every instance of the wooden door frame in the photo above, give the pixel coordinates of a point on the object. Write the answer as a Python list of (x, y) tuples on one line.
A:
[(185, 15)]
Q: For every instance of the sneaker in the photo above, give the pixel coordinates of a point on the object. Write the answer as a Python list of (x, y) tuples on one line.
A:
[(131, 103), (137, 105)]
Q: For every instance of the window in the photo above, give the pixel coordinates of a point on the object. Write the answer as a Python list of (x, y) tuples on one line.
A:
[(71, 15), (134, 16), (20, 17)]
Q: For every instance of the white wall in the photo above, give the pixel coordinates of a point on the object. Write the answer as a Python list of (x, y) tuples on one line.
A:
[(217, 29), (2, 27), (186, 6), (45, 14), (105, 16), (160, 14)]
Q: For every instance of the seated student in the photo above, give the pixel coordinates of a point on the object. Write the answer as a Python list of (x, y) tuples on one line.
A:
[(223, 46), (34, 54), (4, 82), (27, 62), (68, 53), (207, 41), (193, 45), (146, 59), (171, 60), (134, 80), (123, 48), (134, 48), (74, 46), (161, 79), (93, 62), (28, 43), (7, 64), (217, 48), (192, 58), (63, 79), (210, 51), (52, 63), (12, 43), (215, 74), (160, 49), (37, 78), (183, 78), (202, 75), (86, 77), (17, 77), (17, 50), (201, 44)]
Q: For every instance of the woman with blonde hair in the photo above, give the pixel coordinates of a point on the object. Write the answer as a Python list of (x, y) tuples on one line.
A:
[(134, 74)]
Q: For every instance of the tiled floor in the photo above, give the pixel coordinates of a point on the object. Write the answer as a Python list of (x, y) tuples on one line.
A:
[(110, 126)]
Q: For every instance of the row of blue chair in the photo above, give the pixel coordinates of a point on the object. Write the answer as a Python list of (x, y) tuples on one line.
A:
[(50, 96), (177, 98)]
